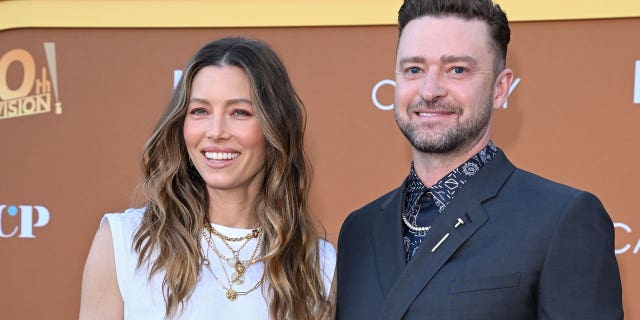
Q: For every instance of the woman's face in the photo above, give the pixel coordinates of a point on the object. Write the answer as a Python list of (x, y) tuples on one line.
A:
[(221, 132)]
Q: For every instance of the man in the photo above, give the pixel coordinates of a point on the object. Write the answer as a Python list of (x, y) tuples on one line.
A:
[(468, 235)]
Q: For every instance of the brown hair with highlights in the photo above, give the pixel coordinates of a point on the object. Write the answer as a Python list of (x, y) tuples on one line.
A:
[(170, 232)]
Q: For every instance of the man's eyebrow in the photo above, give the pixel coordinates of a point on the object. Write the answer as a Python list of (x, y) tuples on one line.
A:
[(452, 58), (444, 59), (415, 59)]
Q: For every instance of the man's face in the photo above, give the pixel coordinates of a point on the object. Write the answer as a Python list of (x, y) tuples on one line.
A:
[(445, 84)]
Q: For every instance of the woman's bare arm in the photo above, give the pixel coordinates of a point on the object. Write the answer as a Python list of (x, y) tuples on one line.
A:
[(100, 297)]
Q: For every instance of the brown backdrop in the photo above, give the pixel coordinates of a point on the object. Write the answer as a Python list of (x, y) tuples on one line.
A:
[(571, 118)]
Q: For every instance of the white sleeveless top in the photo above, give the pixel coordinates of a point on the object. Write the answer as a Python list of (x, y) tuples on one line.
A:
[(143, 299)]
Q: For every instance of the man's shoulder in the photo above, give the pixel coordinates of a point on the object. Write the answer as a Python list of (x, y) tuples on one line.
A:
[(535, 183), (522, 180), (549, 196)]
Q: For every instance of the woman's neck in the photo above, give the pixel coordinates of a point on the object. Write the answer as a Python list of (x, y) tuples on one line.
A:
[(232, 209)]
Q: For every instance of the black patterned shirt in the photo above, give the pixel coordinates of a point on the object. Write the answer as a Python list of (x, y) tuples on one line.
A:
[(421, 205)]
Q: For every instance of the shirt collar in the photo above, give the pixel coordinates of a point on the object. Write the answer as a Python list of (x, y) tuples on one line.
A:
[(444, 190)]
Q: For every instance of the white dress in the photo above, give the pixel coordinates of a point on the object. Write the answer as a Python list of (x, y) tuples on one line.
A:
[(143, 298)]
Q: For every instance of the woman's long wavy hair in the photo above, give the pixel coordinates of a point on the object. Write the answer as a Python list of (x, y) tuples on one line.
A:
[(168, 238)]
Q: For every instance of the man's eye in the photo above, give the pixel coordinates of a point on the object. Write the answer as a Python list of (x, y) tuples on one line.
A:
[(458, 70), (413, 70)]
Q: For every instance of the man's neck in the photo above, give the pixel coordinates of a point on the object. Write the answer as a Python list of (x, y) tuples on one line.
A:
[(431, 167)]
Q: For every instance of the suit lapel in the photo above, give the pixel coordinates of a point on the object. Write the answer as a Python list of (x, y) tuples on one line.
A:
[(444, 238), (386, 233)]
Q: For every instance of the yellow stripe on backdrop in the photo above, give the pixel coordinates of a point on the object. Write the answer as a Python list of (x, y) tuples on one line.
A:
[(263, 13)]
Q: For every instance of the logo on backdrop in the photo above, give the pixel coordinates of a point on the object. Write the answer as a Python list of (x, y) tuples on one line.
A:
[(33, 94), (636, 90), (630, 244), (387, 82), (22, 221), (177, 74)]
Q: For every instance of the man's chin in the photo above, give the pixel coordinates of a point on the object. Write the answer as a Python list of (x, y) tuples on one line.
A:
[(434, 146)]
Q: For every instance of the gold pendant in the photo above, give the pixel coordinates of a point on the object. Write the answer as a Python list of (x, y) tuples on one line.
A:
[(232, 261), (231, 295), (237, 278), (240, 268)]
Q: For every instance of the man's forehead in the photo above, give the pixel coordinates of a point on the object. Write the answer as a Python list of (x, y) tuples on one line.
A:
[(440, 36), (443, 58)]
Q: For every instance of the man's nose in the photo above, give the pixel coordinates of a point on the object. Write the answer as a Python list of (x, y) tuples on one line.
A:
[(432, 88)]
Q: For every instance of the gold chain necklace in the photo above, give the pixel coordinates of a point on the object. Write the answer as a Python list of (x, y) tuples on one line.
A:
[(235, 261), (229, 293), (239, 266), (253, 234)]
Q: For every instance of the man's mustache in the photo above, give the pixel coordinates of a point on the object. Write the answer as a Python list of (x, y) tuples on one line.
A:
[(432, 106)]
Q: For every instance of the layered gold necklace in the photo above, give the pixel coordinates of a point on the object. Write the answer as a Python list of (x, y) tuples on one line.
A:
[(238, 266)]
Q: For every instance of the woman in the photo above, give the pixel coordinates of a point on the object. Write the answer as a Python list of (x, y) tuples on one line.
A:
[(226, 232)]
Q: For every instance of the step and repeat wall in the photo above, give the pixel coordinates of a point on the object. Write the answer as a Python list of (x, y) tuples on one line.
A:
[(77, 103)]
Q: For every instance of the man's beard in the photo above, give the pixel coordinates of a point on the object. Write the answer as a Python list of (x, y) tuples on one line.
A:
[(459, 136)]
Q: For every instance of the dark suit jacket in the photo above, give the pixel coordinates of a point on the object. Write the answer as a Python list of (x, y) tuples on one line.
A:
[(529, 248)]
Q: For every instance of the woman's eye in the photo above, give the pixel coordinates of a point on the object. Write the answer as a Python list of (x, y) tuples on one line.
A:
[(198, 111), (240, 113)]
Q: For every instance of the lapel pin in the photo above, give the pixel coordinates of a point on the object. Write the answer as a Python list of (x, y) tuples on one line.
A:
[(459, 223), (440, 242)]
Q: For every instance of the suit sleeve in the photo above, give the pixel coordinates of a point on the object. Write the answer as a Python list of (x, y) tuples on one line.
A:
[(580, 277)]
